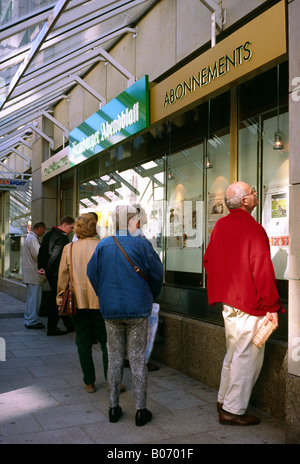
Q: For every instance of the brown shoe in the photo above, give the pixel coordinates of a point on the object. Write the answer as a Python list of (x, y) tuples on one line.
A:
[(89, 388), (226, 418)]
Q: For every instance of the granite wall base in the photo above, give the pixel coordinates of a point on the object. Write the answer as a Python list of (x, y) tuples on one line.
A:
[(197, 349)]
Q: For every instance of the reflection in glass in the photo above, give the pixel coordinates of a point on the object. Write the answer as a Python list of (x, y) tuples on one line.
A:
[(17, 226), (263, 109), (174, 226), (184, 215), (141, 186)]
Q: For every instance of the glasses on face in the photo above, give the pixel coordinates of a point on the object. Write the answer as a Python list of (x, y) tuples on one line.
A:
[(253, 192)]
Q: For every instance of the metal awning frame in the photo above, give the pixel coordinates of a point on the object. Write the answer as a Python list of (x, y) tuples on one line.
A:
[(51, 91), (38, 83), (16, 175), (32, 92), (218, 18), (35, 47)]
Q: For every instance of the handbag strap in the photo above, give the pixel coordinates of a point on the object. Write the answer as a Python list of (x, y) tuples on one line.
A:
[(70, 270), (137, 269)]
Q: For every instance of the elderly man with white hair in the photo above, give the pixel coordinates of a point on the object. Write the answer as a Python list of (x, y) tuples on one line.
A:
[(240, 275)]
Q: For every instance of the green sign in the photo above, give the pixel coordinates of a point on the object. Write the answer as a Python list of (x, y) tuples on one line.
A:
[(119, 119)]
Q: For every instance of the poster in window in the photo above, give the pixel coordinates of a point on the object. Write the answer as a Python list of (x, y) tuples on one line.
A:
[(276, 223), (216, 210)]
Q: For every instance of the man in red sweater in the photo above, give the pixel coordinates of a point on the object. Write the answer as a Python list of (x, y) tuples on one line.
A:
[(240, 275)]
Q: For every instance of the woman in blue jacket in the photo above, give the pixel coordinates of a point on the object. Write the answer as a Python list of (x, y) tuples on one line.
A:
[(125, 300)]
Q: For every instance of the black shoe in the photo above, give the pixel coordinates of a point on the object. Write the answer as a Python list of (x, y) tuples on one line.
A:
[(115, 414), (152, 367), (38, 325), (142, 417), (56, 332)]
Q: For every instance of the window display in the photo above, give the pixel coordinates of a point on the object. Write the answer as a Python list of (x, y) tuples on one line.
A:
[(17, 224), (185, 216), (276, 196), (262, 162)]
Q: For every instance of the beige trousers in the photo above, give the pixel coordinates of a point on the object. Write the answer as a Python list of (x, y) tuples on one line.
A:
[(243, 360)]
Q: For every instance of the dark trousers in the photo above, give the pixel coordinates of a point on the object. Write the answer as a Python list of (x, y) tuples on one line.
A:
[(89, 326)]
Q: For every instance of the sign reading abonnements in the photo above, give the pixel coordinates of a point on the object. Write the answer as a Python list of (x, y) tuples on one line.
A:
[(119, 119)]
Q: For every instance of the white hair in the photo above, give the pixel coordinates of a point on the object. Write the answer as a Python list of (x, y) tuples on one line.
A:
[(233, 195)]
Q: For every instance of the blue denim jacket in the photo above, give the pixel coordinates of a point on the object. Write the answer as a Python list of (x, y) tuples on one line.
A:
[(122, 292)]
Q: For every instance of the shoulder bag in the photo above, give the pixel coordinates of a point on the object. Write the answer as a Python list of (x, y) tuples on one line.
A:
[(153, 318), (67, 306), (137, 269)]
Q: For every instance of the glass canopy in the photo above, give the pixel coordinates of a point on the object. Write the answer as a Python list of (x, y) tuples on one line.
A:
[(45, 44)]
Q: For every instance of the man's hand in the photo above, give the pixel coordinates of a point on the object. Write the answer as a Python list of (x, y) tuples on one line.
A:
[(272, 317)]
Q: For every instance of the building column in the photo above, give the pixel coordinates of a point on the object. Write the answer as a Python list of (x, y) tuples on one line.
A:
[(44, 196), (293, 376)]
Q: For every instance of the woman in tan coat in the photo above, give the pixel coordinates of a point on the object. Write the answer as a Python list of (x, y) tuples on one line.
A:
[(88, 321)]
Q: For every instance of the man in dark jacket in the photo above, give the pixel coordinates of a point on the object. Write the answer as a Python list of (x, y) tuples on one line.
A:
[(48, 263)]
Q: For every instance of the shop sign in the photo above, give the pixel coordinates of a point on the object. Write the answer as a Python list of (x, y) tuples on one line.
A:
[(55, 165), (119, 119), (208, 74), (14, 184), (239, 56)]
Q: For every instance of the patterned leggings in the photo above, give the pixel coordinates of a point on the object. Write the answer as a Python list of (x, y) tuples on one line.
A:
[(133, 334)]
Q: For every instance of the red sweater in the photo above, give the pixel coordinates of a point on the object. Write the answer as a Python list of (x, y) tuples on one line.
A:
[(239, 268)]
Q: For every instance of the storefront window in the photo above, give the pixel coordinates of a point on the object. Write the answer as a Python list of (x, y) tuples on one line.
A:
[(217, 160), (263, 111), (185, 217), (169, 195), (142, 187), (170, 190), (17, 224), (275, 195)]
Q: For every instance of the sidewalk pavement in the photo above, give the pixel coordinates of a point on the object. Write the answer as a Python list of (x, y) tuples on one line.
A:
[(42, 400)]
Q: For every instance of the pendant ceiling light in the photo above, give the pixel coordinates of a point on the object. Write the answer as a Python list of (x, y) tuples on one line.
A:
[(278, 143), (208, 163)]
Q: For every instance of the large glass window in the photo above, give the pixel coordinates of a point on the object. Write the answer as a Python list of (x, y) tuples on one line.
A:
[(263, 163), (184, 227), (16, 225), (217, 160), (170, 190), (141, 186)]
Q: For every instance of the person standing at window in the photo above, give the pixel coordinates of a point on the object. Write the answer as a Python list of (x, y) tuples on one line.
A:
[(88, 321), (240, 275), (48, 263), (125, 300), (30, 276)]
